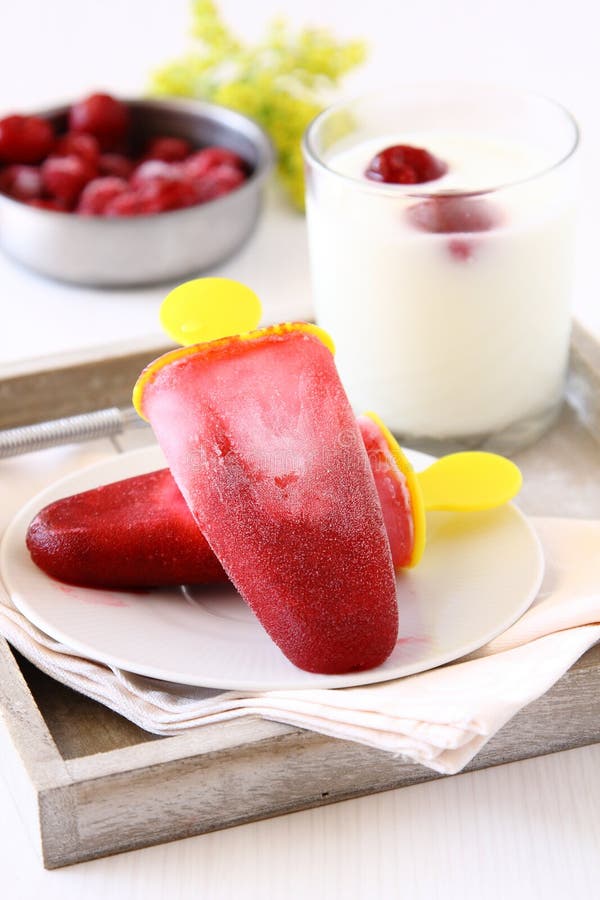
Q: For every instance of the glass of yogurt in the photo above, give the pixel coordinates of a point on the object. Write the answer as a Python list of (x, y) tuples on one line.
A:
[(440, 225)]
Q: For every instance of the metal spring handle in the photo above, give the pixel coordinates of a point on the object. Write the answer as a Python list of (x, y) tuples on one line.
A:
[(72, 429)]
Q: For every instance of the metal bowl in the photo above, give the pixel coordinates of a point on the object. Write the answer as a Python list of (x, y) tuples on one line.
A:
[(110, 252)]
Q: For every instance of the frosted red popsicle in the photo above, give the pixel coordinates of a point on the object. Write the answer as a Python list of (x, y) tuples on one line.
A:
[(261, 440), (135, 533), (401, 514)]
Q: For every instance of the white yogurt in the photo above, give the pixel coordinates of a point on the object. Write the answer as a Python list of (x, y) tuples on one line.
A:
[(446, 345)]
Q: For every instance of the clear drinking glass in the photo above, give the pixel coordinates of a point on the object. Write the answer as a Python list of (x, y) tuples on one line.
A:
[(449, 300)]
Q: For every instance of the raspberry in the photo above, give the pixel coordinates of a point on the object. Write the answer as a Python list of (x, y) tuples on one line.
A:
[(97, 194), (163, 186), (158, 195), (64, 177), (169, 149), (461, 249), (173, 194), (25, 139), (449, 215), (201, 162), (115, 164), (455, 215), (219, 181), (403, 164), (103, 116), (125, 204), (189, 194), (156, 169), (21, 182), (83, 145)]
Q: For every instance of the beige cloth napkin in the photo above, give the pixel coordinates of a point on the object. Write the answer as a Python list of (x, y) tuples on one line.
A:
[(439, 718)]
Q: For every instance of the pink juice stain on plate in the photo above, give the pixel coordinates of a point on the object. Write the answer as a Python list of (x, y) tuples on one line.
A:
[(93, 596)]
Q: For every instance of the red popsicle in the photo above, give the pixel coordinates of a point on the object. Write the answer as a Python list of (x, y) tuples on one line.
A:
[(261, 440), (395, 483), (134, 533)]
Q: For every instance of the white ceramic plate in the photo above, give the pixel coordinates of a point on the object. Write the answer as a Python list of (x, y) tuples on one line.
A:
[(480, 572)]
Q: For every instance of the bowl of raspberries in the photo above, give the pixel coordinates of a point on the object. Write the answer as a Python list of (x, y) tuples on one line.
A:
[(112, 192)]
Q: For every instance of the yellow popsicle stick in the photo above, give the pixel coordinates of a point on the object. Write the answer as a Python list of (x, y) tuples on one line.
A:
[(207, 309), (468, 482), (460, 482)]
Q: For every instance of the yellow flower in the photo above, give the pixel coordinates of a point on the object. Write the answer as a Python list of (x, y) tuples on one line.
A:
[(279, 81)]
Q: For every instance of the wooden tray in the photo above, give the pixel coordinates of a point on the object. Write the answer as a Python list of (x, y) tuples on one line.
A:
[(89, 783)]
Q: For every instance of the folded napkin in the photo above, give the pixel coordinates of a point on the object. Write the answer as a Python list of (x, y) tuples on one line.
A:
[(439, 718)]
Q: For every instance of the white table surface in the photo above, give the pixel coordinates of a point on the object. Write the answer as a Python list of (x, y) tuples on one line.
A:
[(530, 829)]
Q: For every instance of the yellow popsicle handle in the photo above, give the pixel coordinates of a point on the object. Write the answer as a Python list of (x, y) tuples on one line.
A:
[(467, 482), (207, 309)]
